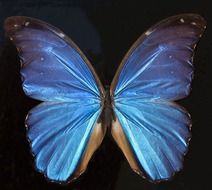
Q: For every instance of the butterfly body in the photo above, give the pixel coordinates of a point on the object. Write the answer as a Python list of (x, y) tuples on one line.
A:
[(107, 115), (138, 108)]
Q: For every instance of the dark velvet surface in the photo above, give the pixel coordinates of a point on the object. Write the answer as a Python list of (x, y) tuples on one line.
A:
[(104, 30)]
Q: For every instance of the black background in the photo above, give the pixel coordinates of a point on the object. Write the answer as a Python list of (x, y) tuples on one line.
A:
[(104, 30)]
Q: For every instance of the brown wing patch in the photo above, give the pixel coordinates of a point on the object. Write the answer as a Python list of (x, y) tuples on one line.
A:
[(120, 138), (94, 142)]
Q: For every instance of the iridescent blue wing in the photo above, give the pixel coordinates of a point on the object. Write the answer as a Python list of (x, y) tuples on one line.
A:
[(157, 133), (159, 64), (63, 131), (53, 67), (59, 133), (157, 70)]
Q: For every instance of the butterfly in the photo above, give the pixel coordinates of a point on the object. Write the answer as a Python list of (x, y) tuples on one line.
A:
[(138, 108)]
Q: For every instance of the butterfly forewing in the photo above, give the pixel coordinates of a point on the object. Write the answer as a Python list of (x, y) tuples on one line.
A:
[(156, 70), (53, 67), (63, 130)]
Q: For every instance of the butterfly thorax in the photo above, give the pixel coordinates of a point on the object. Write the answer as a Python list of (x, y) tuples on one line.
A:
[(107, 114)]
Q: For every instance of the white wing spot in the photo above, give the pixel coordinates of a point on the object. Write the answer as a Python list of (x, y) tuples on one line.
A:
[(11, 38), (61, 35), (42, 59), (147, 33), (172, 72), (19, 36), (161, 48), (26, 23), (15, 25), (170, 56), (182, 20), (194, 23)]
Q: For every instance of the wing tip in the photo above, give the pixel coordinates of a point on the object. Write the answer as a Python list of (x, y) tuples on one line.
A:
[(13, 23), (196, 20), (199, 18), (193, 19)]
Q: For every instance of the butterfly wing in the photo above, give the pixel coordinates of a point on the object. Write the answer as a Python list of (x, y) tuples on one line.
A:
[(59, 134), (63, 130), (156, 71), (53, 67)]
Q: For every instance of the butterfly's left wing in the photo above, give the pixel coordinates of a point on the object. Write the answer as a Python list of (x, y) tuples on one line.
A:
[(151, 130), (63, 131)]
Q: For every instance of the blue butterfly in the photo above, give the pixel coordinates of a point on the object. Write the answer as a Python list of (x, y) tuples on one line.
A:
[(65, 130)]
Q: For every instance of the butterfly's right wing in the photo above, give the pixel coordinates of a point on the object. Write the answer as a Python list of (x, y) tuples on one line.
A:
[(152, 131), (63, 130)]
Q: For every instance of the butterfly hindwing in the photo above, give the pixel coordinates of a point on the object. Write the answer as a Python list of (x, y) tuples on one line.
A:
[(156, 70), (63, 130), (59, 134), (158, 133)]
